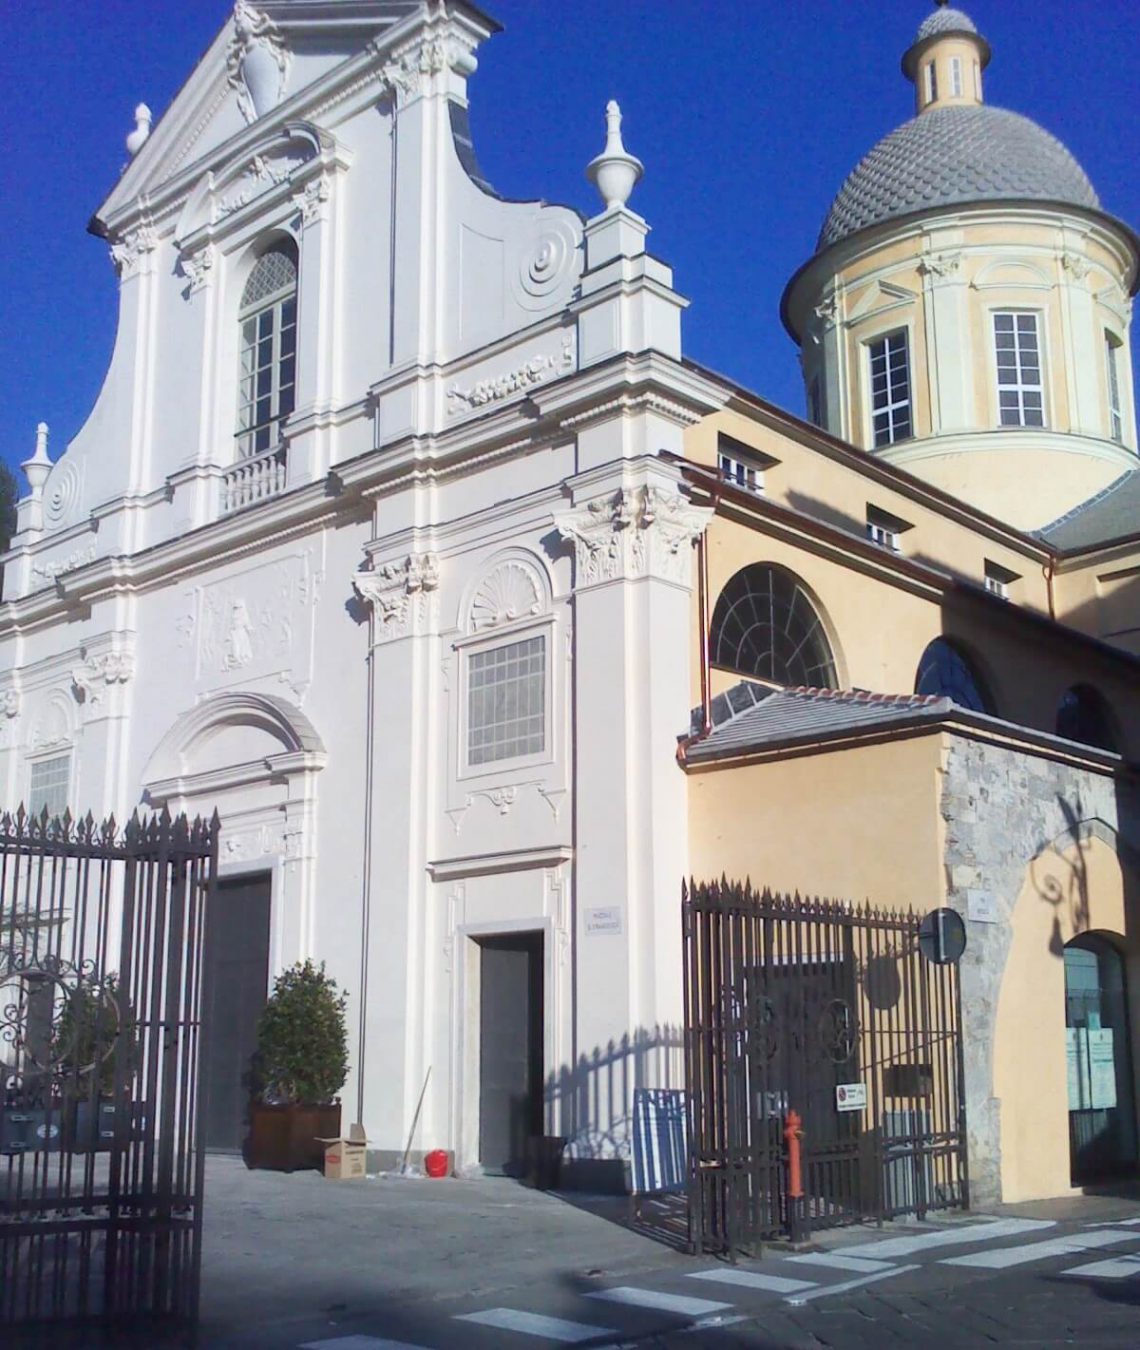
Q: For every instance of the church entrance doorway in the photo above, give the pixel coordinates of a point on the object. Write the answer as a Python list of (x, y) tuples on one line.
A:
[(1102, 1111), (237, 981), (510, 1049)]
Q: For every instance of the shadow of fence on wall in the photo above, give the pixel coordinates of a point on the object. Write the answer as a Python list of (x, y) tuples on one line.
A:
[(589, 1102)]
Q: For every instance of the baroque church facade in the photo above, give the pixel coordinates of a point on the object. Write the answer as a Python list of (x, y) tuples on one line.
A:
[(404, 534)]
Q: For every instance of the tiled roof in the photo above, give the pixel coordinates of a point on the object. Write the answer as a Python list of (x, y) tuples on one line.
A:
[(944, 20), (749, 716), (1111, 514), (956, 155)]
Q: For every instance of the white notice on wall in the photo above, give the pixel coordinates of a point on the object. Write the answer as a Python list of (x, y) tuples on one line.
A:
[(981, 907), (607, 920), (1073, 1036), (1102, 1070), (851, 1097)]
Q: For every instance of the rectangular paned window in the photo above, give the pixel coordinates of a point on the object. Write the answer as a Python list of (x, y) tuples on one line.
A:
[(1115, 415), (956, 76), (1021, 396), (743, 474), (49, 785), (268, 376), (890, 389), (931, 82), (506, 701), (977, 82)]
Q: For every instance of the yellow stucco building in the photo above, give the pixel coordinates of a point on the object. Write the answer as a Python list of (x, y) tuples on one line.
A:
[(918, 624)]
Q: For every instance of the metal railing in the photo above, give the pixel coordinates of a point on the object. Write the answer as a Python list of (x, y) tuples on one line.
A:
[(101, 1162), (820, 1017), (255, 479)]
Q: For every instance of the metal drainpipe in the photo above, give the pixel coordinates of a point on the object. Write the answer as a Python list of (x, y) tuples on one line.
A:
[(366, 866), (1050, 570)]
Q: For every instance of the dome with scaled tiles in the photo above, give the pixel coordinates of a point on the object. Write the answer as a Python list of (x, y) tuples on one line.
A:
[(956, 150), (944, 20), (953, 155)]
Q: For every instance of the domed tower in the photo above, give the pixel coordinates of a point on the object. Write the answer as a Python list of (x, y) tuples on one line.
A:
[(966, 312)]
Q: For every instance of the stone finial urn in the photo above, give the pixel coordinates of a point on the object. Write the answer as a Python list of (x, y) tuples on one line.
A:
[(615, 172)]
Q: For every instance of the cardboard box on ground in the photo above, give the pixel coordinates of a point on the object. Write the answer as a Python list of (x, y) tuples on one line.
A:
[(345, 1156)]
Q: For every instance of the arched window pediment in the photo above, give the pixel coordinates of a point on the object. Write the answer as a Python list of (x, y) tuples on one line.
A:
[(765, 625)]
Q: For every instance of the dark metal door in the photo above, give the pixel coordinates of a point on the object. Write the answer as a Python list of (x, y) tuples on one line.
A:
[(101, 1164), (510, 1050), (237, 966)]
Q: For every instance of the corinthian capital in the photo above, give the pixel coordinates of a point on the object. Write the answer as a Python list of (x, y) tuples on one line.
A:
[(401, 594), (634, 532)]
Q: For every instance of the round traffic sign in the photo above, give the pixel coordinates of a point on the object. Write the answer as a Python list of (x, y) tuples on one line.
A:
[(942, 936)]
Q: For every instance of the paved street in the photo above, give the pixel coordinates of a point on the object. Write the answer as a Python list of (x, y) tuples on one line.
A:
[(391, 1264), (298, 1263)]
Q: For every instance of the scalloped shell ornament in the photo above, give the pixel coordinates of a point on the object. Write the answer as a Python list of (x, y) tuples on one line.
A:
[(507, 594)]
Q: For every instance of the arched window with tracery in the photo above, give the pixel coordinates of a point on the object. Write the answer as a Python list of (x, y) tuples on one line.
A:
[(268, 369), (766, 626), (1083, 715), (945, 671)]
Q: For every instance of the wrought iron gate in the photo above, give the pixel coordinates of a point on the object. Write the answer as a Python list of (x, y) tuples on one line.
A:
[(809, 1006), (101, 939)]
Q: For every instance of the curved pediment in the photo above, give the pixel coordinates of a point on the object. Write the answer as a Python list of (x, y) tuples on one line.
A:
[(254, 173)]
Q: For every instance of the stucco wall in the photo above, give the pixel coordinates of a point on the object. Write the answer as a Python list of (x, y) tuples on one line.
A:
[(857, 824), (1002, 811)]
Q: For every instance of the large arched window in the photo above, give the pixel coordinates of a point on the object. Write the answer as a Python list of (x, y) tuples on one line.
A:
[(946, 672), (268, 320), (1083, 715), (765, 625)]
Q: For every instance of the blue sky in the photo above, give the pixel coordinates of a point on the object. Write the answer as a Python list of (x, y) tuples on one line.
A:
[(748, 114)]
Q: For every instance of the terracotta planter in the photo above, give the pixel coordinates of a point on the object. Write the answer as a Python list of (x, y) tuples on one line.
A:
[(284, 1138)]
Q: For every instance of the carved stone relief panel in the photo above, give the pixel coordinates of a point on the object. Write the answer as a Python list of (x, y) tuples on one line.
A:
[(512, 374), (255, 624)]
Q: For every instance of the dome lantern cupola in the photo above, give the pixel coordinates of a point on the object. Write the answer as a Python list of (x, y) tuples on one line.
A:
[(965, 314), (946, 59)]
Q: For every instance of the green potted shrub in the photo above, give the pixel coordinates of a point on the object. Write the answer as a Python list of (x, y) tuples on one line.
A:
[(300, 1066)]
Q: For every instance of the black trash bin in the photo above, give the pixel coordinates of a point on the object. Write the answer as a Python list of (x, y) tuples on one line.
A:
[(544, 1160)]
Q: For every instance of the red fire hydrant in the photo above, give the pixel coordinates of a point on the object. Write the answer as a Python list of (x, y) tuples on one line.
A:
[(793, 1133)]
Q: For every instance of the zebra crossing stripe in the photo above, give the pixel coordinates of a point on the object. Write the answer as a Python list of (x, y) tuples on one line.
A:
[(959, 1235), (358, 1343), (535, 1324), (1004, 1257), (752, 1279), (1116, 1268), (658, 1302), (825, 1289), (859, 1265)]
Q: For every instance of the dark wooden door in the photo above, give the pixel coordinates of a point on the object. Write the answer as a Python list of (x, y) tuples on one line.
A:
[(237, 979), (510, 1053)]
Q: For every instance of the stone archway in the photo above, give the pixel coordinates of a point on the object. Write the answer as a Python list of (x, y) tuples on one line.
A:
[(256, 759)]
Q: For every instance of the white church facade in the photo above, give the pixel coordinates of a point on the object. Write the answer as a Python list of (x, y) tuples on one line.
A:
[(390, 535)]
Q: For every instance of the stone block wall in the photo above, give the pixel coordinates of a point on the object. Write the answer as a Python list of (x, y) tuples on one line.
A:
[(1001, 808)]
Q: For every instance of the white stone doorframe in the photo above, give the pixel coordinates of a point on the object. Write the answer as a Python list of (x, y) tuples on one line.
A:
[(466, 1011), (278, 835)]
